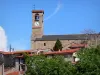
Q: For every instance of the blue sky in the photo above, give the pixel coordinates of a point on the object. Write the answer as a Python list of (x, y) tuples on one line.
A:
[(71, 17)]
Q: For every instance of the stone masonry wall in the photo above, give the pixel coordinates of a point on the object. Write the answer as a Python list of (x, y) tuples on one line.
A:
[(50, 44)]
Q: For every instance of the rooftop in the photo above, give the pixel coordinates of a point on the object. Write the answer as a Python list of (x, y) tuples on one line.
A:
[(62, 52), (76, 46), (37, 11), (62, 37)]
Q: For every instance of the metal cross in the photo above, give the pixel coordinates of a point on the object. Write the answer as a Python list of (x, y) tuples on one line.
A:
[(34, 6)]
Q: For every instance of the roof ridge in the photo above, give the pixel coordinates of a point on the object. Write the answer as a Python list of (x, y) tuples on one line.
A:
[(62, 34)]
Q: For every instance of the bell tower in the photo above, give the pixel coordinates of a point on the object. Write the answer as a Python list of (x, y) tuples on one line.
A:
[(37, 24)]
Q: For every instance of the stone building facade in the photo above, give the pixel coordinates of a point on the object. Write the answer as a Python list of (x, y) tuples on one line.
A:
[(41, 41)]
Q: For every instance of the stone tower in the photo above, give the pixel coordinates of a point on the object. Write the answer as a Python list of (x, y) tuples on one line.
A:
[(37, 25)]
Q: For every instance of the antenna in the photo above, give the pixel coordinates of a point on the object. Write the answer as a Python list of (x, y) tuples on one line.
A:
[(13, 49), (34, 6), (10, 48)]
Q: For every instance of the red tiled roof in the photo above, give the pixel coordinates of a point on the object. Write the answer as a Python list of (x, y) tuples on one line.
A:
[(78, 45), (16, 52), (55, 52), (24, 51), (22, 72), (37, 11), (16, 73), (13, 73), (1, 51), (62, 52)]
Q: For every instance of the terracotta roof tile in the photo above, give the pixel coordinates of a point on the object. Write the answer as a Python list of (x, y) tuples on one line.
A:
[(37, 11), (62, 52), (78, 45), (13, 73), (16, 52)]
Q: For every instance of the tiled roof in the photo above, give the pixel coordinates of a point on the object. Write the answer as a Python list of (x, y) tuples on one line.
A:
[(37, 11), (1, 51), (62, 52), (62, 37), (55, 52), (13, 73), (16, 73), (78, 45), (16, 52)]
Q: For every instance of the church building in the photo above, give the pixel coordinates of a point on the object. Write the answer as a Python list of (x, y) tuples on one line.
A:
[(41, 41)]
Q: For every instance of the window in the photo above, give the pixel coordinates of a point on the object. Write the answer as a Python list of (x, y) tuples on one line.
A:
[(37, 17), (44, 44)]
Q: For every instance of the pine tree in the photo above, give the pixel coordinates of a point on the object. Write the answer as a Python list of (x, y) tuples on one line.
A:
[(58, 45)]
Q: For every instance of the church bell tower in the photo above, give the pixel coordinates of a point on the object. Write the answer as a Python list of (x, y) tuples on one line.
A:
[(37, 24)]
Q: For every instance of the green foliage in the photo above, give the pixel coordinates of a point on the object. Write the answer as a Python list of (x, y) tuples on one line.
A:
[(58, 45), (41, 65), (89, 64), (90, 61)]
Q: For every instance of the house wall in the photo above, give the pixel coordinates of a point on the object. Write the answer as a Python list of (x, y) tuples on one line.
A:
[(0, 69), (50, 44), (68, 57), (17, 64)]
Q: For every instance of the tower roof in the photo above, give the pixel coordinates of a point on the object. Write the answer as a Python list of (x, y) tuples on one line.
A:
[(37, 11)]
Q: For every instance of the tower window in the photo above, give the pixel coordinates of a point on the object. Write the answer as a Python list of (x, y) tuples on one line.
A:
[(37, 17), (44, 44)]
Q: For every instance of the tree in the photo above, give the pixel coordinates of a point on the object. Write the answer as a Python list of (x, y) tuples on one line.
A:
[(88, 31), (89, 63), (92, 37), (42, 65), (58, 45)]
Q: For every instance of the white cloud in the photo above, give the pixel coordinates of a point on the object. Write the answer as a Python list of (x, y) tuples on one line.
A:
[(3, 40), (55, 11), (20, 44)]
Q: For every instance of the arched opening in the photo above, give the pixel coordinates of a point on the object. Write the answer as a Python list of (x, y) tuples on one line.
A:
[(37, 17)]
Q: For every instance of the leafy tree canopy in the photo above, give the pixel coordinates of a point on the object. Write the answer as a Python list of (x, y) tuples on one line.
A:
[(41, 65), (90, 61), (89, 64)]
